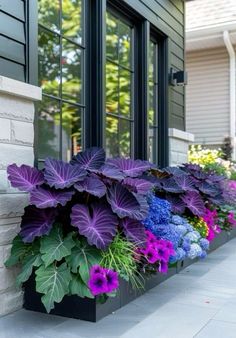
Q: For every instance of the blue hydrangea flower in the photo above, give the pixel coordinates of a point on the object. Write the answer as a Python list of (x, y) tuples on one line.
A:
[(204, 243), (195, 251)]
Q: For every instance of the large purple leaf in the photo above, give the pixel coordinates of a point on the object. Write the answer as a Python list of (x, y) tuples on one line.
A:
[(25, 178), (213, 178), (90, 159), (123, 202), (177, 205), (144, 207), (92, 185), (45, 198), (97, 223), (134, 231), (62, 175), (209, 189), (185, 182), (138, 185), (192, 167), (129, 167), (36, 223), (175, 171), (194, 203), (111, 172), (169, 185)]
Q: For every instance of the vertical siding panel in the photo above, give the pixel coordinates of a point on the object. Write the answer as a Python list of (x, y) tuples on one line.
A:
[(207, 95)]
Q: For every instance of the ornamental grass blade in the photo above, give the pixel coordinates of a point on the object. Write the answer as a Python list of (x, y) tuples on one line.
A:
[(24, 178), (55, 247), (53, 282), (61, 175)]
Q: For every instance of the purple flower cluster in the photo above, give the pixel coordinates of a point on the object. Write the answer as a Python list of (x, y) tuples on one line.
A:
[(102, 280), (157, 250)]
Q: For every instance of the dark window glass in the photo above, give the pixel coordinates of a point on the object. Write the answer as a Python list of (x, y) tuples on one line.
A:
[(119, 83), (153, 102), (61, 76)]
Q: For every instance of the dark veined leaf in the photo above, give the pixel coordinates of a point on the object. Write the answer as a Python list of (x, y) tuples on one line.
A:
[(200, 175), (129, 167), (36, 223), (54, 247), (92, 185), (213, 178), (185, 182), (97, 223), (90, 159), (122, 201), (134, 231), (177, 205), (194, 203), (144, 207), (53, 282), (190, 167), (24, 178), (79, 288), (169, 185), (218, 200), (27, 268), (110, 172), (61, 175), (209, 189), (45, 198), (18, 251), (138, 185), (175, 171), (82, 258)]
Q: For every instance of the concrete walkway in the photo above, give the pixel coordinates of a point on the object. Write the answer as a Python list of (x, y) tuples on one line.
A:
[(199, 302)]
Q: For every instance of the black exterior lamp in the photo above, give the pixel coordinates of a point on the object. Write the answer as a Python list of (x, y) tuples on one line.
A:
[(178, 78)]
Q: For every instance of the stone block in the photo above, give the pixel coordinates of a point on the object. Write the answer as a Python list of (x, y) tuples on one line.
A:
[(22, 133), (8, 232), (10, 301), (16, 108), (5, 130), (18, 154), (12, 205)]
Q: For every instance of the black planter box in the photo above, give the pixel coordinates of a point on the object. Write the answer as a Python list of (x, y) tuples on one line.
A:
[(232, 234), (90, 309), (219, 240), (185, 263)]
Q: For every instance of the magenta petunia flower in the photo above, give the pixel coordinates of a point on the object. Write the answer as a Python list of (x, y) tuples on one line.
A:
[(170, 247), (163, 253), (112, 280), (163, 267), (231, 218), (97, 284), (96, 269), (151, 255)]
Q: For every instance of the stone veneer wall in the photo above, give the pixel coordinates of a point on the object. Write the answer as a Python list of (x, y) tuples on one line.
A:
[(16, 146), (179, 142)]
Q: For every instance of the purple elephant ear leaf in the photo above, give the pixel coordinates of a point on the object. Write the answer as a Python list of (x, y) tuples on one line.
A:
[(138, 185), (194, 203), (90, 159), (175, 171), (177, 205), (169, 185), (62, 175), (134, 231), (209, 189), (98, 224), (110, 172), (45, 198), (25, 178), (144, 207), (92, 185), (36, 223), (185, 182), (122, 201), (129, 167), (192, 167)]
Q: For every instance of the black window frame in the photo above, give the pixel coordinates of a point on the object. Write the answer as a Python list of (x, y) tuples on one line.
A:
[(94, 123)]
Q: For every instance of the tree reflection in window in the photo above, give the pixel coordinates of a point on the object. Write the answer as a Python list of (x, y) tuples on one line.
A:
[(119, 83), (153, 102), (61, 67)]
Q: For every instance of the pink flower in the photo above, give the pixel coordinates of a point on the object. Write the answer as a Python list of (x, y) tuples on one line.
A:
[(231, 218), (163, 267)]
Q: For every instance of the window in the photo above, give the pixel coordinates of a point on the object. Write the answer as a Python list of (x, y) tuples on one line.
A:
[(61, 76), (119, 86), (153, 102)]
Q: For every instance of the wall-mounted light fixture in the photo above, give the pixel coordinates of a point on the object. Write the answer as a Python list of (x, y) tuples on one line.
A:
[(178, 78)]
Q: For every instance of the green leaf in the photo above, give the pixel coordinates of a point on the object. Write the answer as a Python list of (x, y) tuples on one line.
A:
[(79, 288), (83, 256), (27, 268), (53, 282), (54, 247), (18, 251)]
